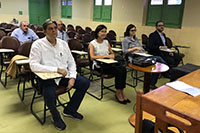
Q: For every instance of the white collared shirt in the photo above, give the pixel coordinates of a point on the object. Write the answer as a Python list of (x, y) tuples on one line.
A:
[(47, 58), (162, 38)]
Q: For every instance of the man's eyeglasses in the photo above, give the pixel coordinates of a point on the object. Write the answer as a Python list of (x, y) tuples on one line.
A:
[(160, 25), (133, 30)]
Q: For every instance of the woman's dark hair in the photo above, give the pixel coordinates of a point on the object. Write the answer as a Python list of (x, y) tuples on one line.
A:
[(128, 28), (99, 28), (48, 22)]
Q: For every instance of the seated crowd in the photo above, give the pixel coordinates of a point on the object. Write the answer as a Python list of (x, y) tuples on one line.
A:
[(52, 54)]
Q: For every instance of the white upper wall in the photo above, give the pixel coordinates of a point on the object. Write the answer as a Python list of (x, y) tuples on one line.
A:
[(10, 9), (14, 6), (122, 10), (127, 10)]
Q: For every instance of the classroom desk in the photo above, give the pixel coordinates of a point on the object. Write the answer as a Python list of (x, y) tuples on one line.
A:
[(79, 52), (174, 99), (2, 50), (48, 75), (157, 68), (22, 62), (117, 49), (107, 61)]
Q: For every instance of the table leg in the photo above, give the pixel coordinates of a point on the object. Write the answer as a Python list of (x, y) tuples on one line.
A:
[(146, 86)]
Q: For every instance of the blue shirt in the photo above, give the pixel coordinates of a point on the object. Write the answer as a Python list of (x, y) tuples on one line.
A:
[(24, 36), (63, 35), (162, 38), (128, 43)]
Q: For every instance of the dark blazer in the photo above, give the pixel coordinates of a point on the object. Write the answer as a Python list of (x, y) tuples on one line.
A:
[(155, 42)]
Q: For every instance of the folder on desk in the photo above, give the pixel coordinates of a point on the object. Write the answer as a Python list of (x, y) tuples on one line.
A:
[(181, 86)]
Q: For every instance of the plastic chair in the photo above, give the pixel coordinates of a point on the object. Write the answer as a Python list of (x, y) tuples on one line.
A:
[(71, 34), (36, 84), (81, 61), (8, 42), (170, 45), (70, 28), (113, 33), (40, 34), (25, 72), (87, 38), (145, 42), (2, 34), (102, 77), (88, 30), (111, 39)]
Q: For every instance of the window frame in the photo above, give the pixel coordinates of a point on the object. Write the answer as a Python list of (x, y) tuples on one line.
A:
[(99, 14), (66, 11), (162, 12)]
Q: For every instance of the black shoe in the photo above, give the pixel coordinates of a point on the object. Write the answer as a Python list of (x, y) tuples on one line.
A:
[(59, 124), (128, 101), (75, 115), (122, 102)]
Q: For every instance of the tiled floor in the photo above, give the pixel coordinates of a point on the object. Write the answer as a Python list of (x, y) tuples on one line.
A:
[(105, 116)]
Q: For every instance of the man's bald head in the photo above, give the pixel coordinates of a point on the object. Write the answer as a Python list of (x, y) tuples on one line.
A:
[(59, 25), (24, 26)]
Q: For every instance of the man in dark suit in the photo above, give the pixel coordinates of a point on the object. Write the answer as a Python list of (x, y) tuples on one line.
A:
[(157, 43)]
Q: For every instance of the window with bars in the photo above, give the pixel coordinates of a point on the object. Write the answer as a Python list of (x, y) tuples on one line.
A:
[(66, 8), (102, 10)]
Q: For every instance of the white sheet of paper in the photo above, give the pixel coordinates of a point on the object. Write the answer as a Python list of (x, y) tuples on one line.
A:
[(143, 54), (167, 50), (181, 86)]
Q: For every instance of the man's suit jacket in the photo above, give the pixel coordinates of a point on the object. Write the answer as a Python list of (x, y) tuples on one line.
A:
[(155, 42)]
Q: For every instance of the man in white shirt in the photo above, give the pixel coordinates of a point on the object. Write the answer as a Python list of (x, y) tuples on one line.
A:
[(61, 32), (51, 54)]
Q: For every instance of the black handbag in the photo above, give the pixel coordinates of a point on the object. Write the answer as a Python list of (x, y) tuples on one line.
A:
[(144, 61)]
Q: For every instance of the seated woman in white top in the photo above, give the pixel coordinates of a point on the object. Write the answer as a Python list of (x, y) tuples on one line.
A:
[(100, 49)]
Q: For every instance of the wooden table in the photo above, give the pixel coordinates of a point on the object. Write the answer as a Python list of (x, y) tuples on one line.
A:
[(157, 68), (174, 99)]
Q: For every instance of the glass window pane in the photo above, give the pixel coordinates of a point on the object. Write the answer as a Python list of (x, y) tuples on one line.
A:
[(98, 2), (108, 2), (64, 3), (156, 2), (69, 3), (174, 2)]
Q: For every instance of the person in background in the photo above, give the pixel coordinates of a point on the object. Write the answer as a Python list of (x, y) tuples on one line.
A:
[(23, 33), (51, 54), (100, 49), (61, 32), (131, 45), (14, 22), (157, 42)]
